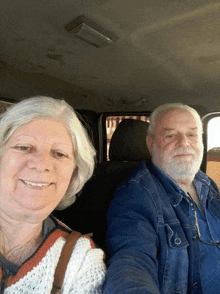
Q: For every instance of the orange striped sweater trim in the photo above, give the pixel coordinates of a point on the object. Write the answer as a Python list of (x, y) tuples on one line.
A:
[(35, 260)]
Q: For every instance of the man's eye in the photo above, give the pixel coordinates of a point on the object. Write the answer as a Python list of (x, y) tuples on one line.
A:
[(193, 135), (170, 136), (22, 148)]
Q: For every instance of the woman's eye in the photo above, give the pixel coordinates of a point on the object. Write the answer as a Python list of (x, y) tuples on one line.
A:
[(60, 154)]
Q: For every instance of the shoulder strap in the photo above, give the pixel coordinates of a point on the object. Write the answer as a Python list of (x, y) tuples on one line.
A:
[(63, 261)]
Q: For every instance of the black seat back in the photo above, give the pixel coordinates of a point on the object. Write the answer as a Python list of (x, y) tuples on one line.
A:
[(128, 142), (127, 149)]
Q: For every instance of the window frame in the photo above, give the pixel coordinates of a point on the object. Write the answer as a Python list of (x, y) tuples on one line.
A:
[(205, 120)]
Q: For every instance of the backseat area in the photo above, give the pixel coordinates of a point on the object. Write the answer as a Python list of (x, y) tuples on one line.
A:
[(127, 149)]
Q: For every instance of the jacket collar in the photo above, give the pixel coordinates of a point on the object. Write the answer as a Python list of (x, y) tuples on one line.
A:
[(175, 194), (173, 191)]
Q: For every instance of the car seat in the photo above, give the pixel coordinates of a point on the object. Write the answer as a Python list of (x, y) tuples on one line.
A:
[(127, 149)]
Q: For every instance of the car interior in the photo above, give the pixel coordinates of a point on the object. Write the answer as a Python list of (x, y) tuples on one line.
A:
[(114, 62)]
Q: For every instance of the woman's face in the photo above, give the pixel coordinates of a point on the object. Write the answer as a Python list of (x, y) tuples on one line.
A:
[(36, 167)]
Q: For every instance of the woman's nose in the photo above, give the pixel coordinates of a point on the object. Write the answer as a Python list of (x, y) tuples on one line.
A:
[(41, 161)]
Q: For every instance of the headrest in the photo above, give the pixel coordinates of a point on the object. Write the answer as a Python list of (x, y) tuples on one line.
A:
[(128, 142)]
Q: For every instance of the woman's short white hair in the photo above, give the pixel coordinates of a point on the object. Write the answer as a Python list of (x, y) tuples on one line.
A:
[(165, 107), (47, 107)]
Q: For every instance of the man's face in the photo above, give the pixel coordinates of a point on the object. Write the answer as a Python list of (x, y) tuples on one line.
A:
[(176, 145)]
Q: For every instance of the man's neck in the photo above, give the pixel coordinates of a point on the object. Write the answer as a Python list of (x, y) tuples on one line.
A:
[(189, 188), (185, 184)]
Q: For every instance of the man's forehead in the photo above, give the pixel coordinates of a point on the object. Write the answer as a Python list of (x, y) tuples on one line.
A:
[(167, 129), (174, 119), (175, 114)]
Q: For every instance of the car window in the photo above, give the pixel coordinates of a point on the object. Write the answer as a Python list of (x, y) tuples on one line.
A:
[(213, 148)]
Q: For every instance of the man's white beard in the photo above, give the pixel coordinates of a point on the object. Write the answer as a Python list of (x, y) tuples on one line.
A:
[(179, 169)]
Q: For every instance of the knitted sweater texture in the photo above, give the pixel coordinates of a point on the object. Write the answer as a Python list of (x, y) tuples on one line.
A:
[(84, 274)]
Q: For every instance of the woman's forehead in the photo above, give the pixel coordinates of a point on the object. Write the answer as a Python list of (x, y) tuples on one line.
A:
[(49, 128)]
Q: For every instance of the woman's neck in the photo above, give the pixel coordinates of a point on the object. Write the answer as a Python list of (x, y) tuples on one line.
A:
[(19, 240)]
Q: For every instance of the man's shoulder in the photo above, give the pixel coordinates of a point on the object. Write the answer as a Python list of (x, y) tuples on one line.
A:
[(142, 178), (138, 193), (202, 177), (149, 181), (142, 172)]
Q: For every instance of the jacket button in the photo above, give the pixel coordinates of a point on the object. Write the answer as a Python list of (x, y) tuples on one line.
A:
[(194, 237), (177, 241), (195, 285)]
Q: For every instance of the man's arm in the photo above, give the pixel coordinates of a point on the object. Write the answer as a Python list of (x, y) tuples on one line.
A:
[(132, 242)]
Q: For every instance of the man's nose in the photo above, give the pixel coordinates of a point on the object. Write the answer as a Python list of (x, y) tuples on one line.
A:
[(183, 140), (41, 161)]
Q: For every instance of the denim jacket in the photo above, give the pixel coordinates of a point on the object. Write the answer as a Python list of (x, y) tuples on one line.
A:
[(153, 244)]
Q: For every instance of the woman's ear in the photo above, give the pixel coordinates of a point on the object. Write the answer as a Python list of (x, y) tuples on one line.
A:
[(150, 142)]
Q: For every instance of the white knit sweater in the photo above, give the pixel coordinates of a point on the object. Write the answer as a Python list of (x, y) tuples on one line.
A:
[(85, 271)]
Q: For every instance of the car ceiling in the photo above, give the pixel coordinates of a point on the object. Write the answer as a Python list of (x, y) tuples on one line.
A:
[(162, 51)]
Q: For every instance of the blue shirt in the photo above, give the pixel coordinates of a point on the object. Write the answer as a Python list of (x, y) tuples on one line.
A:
[(153, 243), (209, 243)]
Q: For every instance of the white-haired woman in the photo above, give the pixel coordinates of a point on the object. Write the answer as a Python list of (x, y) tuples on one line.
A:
[(45, 159)]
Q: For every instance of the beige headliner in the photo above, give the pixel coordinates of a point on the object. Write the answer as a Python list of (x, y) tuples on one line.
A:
[(164, 51)]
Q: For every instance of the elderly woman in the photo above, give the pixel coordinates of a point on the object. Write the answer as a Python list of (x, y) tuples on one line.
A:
[(45, 159)]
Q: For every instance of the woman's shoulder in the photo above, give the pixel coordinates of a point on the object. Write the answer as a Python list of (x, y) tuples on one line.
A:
[(86, 248), (86, 267)]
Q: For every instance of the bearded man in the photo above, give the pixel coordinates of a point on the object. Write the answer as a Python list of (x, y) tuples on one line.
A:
[(164, 222)]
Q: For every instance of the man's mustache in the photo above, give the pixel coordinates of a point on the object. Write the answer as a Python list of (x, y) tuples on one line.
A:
[(183, 151)]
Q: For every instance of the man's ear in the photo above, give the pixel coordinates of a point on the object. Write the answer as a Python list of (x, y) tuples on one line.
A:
[(150, 142)]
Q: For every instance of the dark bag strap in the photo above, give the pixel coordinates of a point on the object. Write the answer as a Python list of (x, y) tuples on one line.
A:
[(63, 261)]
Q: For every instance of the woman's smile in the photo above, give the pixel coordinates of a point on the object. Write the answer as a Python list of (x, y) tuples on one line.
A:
[(36, 184)]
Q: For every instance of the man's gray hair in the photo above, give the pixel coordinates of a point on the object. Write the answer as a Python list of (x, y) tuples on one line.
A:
[(165, 107), (47, 107)]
